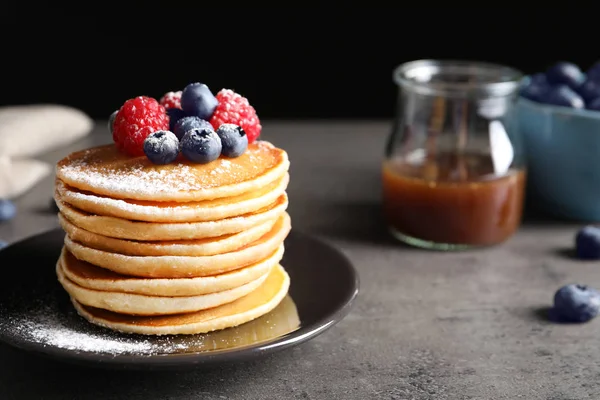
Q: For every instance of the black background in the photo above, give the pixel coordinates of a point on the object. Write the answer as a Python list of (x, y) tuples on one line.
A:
[(296, 62)]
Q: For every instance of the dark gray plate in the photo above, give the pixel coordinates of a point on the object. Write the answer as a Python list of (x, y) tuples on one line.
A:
[(36, 314)]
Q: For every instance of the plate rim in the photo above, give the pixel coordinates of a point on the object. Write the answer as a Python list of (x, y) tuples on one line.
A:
[(158, 361)]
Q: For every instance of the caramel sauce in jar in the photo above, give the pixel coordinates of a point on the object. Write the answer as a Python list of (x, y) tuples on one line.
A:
[(453, 199)]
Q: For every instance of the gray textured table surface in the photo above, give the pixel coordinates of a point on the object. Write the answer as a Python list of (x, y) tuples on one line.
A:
[(425, 326)]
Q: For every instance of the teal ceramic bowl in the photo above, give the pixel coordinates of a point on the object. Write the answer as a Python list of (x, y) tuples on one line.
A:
[(562, 147)]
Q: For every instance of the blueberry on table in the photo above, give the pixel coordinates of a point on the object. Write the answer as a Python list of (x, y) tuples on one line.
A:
[(233, 139), (563, 95), (3, 244), (8, 210), (175, 114), (188, 123), (161, 147), (565, 73), (198, 100), (587, 243), (111, 121), (576, 303), (201, 146)]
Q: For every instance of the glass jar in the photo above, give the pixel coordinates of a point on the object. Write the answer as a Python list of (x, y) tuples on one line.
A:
[(454, 172)]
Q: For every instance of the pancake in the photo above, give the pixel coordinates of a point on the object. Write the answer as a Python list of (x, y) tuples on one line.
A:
[(136, 230), (183, 266), (137, 304), (169, 211), (280, 321), (89, 276), (259, 302), (105, 171), (194, 247)]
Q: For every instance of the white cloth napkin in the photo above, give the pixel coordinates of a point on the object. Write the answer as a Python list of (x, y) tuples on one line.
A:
[(28, 131)]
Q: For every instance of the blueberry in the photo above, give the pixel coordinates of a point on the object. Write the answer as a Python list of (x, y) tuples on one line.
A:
[(587, 243), (576, 303), (589, 90), (201, 145), (111, 121), (198, 100), (188, 123), (3, 244), (161, 147), (8, 210), (593, 72), (562, 95), (534, 91), (539, 79), (594, 105), (233, 139), (565, 73), (175, 114)]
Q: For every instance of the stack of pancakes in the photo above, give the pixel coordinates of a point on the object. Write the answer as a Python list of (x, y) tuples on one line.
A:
[(173, 249)]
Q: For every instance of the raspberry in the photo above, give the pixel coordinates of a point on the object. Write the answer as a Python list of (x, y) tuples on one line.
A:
[(137, 118), (235, 109), (171, 100)]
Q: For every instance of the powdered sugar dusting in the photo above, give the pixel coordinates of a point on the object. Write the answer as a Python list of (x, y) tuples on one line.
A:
[(51, 321), (105, 171), (45, 324), (136, 177), (72, 340), (37, 310), (223, 168)]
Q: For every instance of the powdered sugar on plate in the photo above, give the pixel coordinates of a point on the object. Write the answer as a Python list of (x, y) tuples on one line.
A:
[(51, 326), (64, 338), (52, 322)]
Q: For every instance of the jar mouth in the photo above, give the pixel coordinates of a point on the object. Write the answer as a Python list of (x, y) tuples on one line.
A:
[(458, 78)]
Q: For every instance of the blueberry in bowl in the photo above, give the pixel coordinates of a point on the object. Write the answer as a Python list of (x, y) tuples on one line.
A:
[(558, 113), (565, 73)]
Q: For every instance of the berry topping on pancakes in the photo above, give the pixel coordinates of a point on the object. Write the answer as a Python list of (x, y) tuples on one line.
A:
[(198, 100), (205, 126), (175, 114), (234, 140), (186, 124), (161, 147), (235, 109), (138, 118), (171, 100), (201, 146)]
